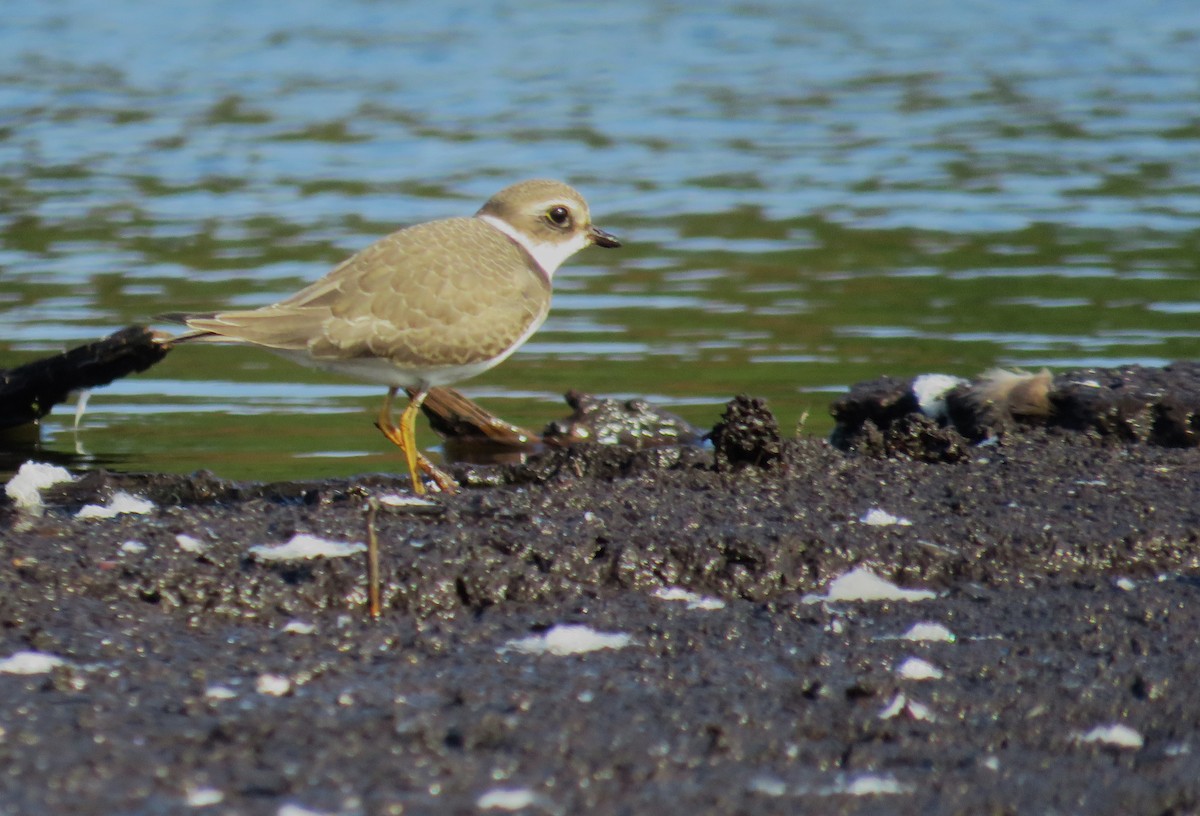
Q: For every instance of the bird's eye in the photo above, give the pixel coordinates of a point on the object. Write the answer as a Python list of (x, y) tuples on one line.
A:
[(559, 216)]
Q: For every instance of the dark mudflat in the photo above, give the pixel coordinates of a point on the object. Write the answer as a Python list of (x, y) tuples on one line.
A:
[(1066, 563)]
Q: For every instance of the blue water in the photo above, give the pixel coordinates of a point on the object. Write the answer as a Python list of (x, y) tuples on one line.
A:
[(810, 194)]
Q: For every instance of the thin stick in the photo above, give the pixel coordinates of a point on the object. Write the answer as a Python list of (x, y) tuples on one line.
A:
[(374, 605)]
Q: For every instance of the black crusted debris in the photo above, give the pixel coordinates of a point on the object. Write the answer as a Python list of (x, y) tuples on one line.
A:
[(1156, 406), (746, 435)]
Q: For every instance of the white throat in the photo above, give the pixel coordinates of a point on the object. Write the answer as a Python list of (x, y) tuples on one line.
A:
[(549, 254)]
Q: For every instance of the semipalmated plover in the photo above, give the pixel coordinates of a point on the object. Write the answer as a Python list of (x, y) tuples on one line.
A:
[(426, 306)]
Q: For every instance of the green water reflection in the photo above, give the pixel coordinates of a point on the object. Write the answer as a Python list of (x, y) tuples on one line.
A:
[(689, 328), (810, 195)]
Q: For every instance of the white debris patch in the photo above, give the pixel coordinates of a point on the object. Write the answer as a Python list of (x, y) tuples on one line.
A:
[(220, 693), (768, 786), (882, 518), (929, 632), (567, 639), (25, 488), (930, 391), (203, 797), (693, 600), (133, 547), (894, 708), (914, 668), (299, 628), (275, 685), (1122, 736), (862, 785), (299, 810), (508, 799), (30, 663), (190, 544), (120, 503), (400, 500), (900, 704), (860, 584), (920, 711), (303, 546), (871, 785)]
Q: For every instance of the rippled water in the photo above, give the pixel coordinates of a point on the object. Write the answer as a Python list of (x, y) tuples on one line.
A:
[(810, 193)]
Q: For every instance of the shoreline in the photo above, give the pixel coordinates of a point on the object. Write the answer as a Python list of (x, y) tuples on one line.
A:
[(1059, 568)]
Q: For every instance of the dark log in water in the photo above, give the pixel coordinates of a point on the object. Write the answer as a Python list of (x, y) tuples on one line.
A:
[(28, 392)]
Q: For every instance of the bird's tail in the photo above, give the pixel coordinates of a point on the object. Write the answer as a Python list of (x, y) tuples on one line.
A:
[(182, 318)]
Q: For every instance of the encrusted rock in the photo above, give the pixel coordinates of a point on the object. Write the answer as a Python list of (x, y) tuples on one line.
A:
[(747, 435)]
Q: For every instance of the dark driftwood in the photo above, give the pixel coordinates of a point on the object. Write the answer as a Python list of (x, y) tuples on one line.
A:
[(28, 392), (455, 417)]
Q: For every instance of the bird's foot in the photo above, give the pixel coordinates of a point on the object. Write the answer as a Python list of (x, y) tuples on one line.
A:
[(444, 481)]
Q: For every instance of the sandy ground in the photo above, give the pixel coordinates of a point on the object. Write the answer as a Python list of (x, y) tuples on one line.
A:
[(1060, 568)]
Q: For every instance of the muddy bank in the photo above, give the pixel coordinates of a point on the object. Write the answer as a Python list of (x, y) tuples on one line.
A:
[(1061, 566)]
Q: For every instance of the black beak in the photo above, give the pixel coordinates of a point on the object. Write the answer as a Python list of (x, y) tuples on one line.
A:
[(604, 239)]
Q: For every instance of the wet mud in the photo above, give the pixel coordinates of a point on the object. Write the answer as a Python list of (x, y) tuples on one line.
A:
[(1062, 558)]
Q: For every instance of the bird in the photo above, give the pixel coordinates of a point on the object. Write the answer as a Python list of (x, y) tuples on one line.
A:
[(428, 305)]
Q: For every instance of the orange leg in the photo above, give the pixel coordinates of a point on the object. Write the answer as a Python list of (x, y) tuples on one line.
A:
[(404, 437)]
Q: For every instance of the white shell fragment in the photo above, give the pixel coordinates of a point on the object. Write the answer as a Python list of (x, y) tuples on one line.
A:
[(861, 584), (876, 517), (568, 639), (25, 488), (929, 632), (914, 668), (692, 599), (303, 546), (119, 504), (29, 662), (1121, 736)]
